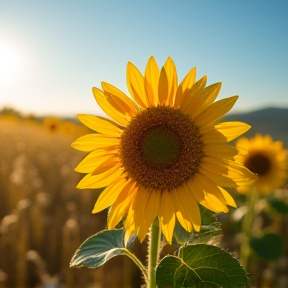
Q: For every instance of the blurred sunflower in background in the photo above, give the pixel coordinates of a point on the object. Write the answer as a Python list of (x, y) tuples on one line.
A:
[(68, 128), (52, 124), (266, 158), (164, 152)]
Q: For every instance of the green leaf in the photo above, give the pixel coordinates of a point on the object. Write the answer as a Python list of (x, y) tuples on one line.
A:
[(207, 216), (206, 233), (180, 234), (278, 205), (208, 230), (99, 248), (270, 246), (202, 266)]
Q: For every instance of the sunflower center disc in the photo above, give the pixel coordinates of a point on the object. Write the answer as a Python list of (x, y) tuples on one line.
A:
[(258, 164), (160, 148)]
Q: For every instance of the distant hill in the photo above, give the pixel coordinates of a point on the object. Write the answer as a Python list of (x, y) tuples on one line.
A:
[(272, 121)]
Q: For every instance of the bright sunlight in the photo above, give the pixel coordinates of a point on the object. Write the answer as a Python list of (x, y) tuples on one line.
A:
[(9, 63)]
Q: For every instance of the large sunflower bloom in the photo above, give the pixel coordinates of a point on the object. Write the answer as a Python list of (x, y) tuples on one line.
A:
[(266, 158), (164, 153)]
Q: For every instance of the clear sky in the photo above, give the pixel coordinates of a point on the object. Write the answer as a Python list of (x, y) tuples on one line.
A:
[(53, 52)]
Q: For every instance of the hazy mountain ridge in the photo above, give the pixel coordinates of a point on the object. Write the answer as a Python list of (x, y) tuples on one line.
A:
[(272, 121)]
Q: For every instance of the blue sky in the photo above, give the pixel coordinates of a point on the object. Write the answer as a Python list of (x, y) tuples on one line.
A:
[(54, 52)]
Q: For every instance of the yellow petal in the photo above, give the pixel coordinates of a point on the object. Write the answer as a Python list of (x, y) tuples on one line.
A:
[(225, 173), (277, 145), (119, 100), (193, 95), (151, 80), (194, 208), (163, 87), (244, 189), (171, 73), (91, 142), (184, 222), (281, 156), (93, 160), (122, 204), (151, 212), (129, 225), (190, 209), (122, 119), (217, 203), (209, 94), (209, 187), (195, 188), (101, 180), (135, 83), (209, 135), (215, 111), (220, 151), (218, 178), (167, 216), (232, 130), (228, 198), (242, 146), (212, 203), (139, 205), (109, 195), (184, 87), (199, 97), (223, 132), (106, 165), (100, 125), (211, 193)]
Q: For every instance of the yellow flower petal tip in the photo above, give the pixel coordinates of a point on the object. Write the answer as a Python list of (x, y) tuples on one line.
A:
[(163, 150)]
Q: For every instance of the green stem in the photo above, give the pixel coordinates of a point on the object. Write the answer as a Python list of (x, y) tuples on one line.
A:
[(154, 244), (138, 263), (247, 229)]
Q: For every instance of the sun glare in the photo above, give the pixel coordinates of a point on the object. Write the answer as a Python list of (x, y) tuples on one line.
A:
[(9, 63)]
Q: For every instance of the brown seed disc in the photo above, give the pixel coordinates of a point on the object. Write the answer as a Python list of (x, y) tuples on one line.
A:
[(161, 148), (258, 163)]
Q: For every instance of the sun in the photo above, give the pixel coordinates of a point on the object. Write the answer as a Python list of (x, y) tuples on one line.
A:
[(9, 63)]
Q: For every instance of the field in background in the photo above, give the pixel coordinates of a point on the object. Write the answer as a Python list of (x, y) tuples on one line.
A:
[(44, 218)]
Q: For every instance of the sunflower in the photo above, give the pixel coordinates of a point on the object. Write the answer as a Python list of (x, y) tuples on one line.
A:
[(266, 158), (52, 124), (68, 128), (164, 152)]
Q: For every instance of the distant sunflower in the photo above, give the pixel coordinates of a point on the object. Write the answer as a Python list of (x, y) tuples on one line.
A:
[(266, 158), (68, 128), (52, 124), (164, 152)]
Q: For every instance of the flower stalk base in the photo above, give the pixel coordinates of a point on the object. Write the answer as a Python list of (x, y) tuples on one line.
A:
[(247, 229), (153, 250)]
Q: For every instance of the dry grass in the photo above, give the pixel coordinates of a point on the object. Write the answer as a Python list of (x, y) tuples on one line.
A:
[(43, 217)]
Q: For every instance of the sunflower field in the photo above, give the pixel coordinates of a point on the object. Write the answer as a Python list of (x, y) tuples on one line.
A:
[(44, 218)]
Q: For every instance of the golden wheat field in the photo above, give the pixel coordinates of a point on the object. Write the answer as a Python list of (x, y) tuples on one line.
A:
[(44, 218)]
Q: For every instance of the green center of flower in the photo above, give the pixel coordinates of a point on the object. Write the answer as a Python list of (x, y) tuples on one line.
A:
[(160, 148), (258, 164)]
